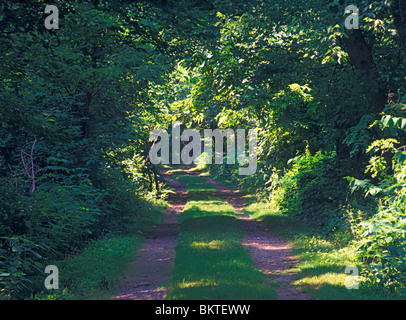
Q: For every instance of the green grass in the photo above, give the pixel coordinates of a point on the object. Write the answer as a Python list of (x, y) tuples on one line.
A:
[(211, 263), (95, 272), (92, 275), (322, 260), (195, 184)]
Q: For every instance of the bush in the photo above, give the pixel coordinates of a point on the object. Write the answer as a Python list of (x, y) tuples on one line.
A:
[(312, 189), (383, 246), (57, 220)]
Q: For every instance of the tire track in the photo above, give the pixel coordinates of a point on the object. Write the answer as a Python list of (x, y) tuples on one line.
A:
[(272, 256), (152, 265)]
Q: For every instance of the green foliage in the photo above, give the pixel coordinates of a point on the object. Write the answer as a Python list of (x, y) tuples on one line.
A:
[(76, 107), (383, 246), (311, 189)]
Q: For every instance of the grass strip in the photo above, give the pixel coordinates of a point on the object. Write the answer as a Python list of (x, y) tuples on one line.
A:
[(211, 263)]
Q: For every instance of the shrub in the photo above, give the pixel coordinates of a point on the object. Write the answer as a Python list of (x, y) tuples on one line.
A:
[(383, 246), (312, 189)]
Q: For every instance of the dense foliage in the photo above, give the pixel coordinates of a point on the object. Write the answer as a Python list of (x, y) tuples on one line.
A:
[(316, 92), (77, 105)]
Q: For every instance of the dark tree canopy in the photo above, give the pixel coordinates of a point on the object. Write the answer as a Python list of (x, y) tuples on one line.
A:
[(77, 105)]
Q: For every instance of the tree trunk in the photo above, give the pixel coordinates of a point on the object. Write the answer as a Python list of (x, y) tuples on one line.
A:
[(360, 54)]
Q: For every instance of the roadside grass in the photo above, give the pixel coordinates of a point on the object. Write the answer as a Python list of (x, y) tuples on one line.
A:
[(94, 273), (211, 263), (322, 261)]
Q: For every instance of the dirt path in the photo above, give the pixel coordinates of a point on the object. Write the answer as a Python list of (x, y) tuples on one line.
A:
[(152, 265), (270, 255), (151, 268)]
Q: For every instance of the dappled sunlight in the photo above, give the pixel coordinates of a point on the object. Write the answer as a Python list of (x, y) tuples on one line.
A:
[(212, 245), (114, 114), (194, 284), (211, 290), (266, 246), (329, 278), (211, 261)]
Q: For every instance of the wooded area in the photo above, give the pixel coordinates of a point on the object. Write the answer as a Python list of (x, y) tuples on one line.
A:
[(78, 103)]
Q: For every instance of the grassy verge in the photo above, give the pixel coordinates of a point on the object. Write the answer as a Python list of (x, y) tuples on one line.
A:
[(322, 261), (94, 273), (211, 262)]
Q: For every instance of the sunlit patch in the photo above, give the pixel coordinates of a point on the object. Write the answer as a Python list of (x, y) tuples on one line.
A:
[(212, 245), (330, 278), (194, 284)]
